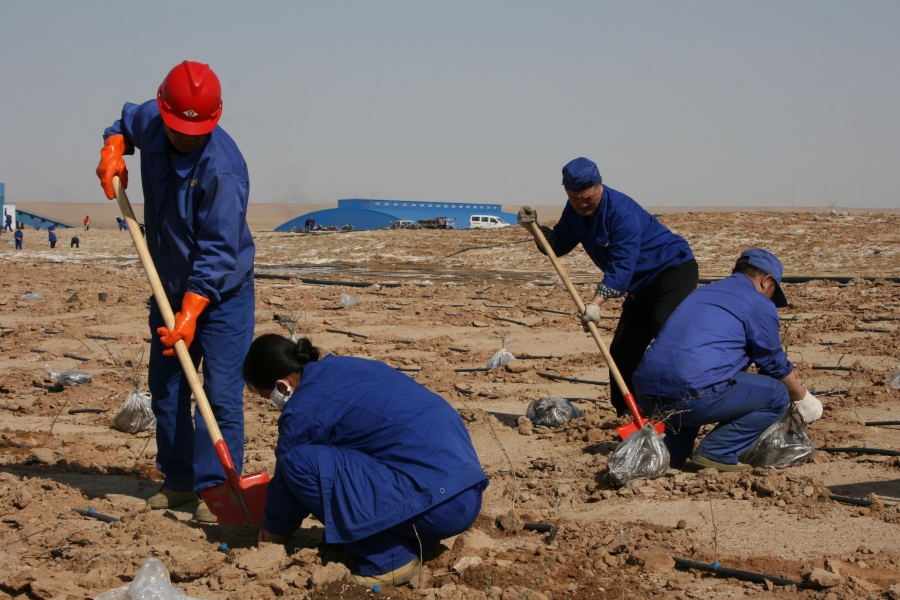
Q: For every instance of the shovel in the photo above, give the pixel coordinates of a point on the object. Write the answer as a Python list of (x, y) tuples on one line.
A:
[(639, 420), (240, 500)]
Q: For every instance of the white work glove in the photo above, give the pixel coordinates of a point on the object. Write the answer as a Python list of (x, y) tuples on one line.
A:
[(527, 216), (809, 407), (591, 314)]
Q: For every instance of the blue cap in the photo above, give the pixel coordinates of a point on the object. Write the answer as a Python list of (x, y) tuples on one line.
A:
[(579, 173), (767, 262)]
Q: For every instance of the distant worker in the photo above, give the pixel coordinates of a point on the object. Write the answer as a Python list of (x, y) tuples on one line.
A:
[(383, 462), (51, 235), (76, 243), (637, 254), (123, 225), (195, 205), (19, 237), (38, 224), (87, 223), (309, 222), (696, 368), (8, 226)]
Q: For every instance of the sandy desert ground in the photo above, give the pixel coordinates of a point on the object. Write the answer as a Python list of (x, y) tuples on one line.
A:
[(441, 301)]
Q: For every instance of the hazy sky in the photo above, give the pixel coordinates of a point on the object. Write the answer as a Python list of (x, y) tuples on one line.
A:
[(680, 103)]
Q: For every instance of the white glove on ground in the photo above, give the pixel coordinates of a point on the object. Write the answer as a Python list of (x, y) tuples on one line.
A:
[(809, 407), (527, 216), (591, 314)]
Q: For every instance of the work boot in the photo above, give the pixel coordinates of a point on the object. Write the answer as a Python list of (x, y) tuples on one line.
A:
[(166, 498), (706, 463), (398, 576), (203, 514)]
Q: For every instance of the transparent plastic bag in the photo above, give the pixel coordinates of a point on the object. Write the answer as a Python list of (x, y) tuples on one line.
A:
[(500, 358), (347, 300), (783, 444), (69, 377), (552, 412), (32, 296), (152, 582), (136, 415), (642, 455), (893, 378)]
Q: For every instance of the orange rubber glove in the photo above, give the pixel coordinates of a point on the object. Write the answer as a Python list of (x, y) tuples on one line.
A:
[(185, 322), (112, 163)]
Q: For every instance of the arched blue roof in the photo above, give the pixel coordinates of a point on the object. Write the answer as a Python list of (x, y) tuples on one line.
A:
[(358, 217), (375, 214)]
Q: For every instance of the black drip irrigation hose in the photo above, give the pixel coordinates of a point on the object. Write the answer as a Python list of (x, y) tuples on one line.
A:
[(876, 319), (471, 370), (873, 330), (350, 333), (402, 341), (49, 332), (101, 337), (75, 356), (516, 321), (834, 368), (37, 350), (863, 450), (499, 306), (359, 284), (572, 379), (719, 571), (549, 310), (99, 516), (78, 411), (463, 350), (855, 501), (538, 356), (880, 423), (471, 392), (409, 369)]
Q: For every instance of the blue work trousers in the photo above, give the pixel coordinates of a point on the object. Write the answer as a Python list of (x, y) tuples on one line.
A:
[(743, 408), (185, 454), (390, 549)]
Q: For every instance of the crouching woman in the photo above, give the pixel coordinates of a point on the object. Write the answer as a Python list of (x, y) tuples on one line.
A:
[(385, 464)]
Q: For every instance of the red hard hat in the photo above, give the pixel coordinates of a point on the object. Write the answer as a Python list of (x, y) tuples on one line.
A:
[(190, 99)]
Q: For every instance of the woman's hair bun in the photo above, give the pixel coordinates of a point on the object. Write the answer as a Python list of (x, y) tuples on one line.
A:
[(306, 352)]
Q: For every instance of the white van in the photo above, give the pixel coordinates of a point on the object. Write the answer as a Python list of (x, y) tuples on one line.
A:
[(486, 222)]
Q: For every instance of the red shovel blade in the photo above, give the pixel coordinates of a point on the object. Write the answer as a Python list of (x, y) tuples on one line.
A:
[(240, 500), (639, 420), (226, 503)]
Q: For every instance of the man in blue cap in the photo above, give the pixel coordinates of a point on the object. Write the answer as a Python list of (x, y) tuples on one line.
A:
[(696, 368), (637, 254)]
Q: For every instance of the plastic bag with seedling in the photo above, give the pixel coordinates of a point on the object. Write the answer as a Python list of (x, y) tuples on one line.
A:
[(502, 356), (136, 415), (642, 455), (893, 378), (783, 444), (347, 300), (552, 411), (152, 582), (69, 377)]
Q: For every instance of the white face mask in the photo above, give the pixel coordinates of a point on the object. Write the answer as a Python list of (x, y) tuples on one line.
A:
[(276, 398)]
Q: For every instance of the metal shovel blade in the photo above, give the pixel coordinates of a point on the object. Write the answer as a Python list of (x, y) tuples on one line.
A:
[(243, 507)]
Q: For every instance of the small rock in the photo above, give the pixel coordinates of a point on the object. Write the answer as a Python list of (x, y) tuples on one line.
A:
[(23, 498), (466, 562), (518, 367), (511, 522), (476, 539), (44, 455), (808, 491), (526, 427), (479, 324), (322, 575), (823, 578), (564, 490), (682, 524), (305, 556), (276, 301), (652, 561)]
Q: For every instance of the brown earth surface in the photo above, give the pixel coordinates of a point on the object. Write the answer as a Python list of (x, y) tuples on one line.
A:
[(447, 300)]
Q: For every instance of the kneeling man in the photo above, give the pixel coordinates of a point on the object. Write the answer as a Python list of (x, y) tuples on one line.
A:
[(696, 368)]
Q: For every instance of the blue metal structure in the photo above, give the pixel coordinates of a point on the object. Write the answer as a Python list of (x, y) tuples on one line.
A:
[(376, 214), (28, 219)]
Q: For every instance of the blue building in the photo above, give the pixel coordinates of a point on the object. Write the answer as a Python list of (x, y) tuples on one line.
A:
[(377, 214)]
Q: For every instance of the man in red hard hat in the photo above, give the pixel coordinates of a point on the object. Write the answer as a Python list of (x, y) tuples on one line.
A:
[(196, 187)]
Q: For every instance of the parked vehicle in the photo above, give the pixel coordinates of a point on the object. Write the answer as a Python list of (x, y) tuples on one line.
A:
[(403, 224), (486, 222), (437, 223)]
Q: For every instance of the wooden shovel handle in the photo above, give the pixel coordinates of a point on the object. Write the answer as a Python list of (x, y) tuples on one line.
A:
[(162, 301), (595, 333)]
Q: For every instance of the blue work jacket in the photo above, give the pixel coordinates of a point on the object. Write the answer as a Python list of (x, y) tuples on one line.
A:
[(403, 449), (195, 210), (625, 241), (717, 331)]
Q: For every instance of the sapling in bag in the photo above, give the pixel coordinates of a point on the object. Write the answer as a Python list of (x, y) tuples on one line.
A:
[(135, 415), (552, 412), (500, 358), (69, 377), (642, 455), (783, 444)]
